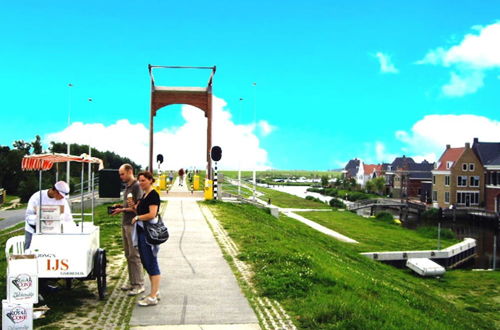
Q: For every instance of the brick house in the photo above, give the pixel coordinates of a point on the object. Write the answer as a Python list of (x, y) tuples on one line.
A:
[(408, 178), (489, 154), (458, 179)]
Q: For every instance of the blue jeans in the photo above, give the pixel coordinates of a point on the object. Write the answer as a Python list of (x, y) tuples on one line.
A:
[(148, 259)]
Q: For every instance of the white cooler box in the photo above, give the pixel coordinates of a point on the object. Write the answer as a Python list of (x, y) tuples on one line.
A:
[(17, 316), (22, 279)]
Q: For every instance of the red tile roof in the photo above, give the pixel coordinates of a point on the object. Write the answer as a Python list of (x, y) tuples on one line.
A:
[(450, 155), (369, 168)]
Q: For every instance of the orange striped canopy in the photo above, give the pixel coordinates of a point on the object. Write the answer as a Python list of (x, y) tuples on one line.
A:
[(45, 162)]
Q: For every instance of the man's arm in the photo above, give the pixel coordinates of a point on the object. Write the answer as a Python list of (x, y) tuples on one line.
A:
[(67, 216), (31, 216)]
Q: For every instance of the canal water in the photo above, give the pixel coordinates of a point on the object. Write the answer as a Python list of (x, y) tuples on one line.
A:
[(483, 231)]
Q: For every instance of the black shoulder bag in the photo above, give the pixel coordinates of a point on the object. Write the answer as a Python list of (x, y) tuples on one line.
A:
[(156, 233)]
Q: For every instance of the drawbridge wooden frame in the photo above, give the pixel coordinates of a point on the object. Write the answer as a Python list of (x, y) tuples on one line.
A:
[(199, 97)]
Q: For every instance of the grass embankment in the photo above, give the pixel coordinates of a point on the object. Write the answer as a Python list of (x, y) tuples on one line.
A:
[(326, 284), (282, 199), (10, 200), (82, 299), (282, 174), (233, 189), (377, 235)]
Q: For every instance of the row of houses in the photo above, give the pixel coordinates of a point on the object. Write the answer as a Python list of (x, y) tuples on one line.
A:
[(463, 177)]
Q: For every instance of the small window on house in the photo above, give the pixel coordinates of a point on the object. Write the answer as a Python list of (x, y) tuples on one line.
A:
[(447, 180), (464, 167), (434, 196), (471, 166), (447, 197), (462, 181), (449, 165), (474, 181)]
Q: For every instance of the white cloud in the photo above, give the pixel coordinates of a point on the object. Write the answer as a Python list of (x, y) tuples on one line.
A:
[(429, 136), (460, 85), (265, 127), (477, 53), (183, 146), (386, 66)]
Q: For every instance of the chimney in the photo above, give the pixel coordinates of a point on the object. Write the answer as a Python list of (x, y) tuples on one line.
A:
[(467, 145), (448, 146), (476, 140)]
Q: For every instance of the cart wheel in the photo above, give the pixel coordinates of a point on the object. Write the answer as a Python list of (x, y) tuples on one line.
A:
[(69, 282), (100, 272)]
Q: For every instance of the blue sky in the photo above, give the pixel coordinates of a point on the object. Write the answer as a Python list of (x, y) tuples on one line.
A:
[(320, 85)]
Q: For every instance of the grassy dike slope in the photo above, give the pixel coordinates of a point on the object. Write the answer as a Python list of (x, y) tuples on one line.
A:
[(326, 284)]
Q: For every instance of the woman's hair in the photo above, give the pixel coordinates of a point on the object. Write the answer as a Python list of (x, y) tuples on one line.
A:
[(147, 175)]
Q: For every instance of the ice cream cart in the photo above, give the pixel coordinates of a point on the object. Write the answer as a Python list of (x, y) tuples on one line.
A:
[(68, 250)]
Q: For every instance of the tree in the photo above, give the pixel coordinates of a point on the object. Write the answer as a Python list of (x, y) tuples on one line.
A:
[(22, 146), (324, 181), (37, 145)]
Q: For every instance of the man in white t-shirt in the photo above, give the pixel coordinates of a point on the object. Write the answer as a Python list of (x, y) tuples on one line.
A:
[(53, 196)]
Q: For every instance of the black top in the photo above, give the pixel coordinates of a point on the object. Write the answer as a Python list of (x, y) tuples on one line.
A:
[(150, 199)]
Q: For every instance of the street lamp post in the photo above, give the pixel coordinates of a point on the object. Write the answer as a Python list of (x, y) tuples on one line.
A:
[(69, 122), (239, 158), (255, 125)]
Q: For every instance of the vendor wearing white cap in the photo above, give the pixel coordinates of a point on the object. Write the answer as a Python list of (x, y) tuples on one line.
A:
[(54, 196)]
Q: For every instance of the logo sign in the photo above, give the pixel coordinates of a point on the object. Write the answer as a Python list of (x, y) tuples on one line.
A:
[(22, 282), (17, 314), (216, 153), (57, 264), (159, 158)]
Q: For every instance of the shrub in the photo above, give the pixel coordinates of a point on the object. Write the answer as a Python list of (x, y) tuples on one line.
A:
[(385, 217), (432, 232), (430, 214), (315, 199), (338, 204)]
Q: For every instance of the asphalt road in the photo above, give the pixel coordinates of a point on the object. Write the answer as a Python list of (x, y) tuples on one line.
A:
[(11, 218)]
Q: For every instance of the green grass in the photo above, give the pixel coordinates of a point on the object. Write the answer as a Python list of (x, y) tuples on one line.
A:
[(233, 189), (326, 284), (376, 235), (282, 199)]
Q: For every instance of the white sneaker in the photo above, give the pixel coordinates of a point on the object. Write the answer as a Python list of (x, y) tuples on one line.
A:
[(148, 301), (137, 290)]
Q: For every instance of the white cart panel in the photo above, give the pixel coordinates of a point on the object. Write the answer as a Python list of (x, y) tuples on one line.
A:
[(66, 255)]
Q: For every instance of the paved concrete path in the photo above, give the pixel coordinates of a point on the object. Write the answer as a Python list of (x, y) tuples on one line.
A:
[(198, 289), (320, 228)]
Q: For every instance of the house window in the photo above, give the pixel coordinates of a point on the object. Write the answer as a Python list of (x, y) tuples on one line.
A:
[(462, 181), (433, 179), (447, 197), (474, 181), (447, 180), (468, 198), (471, 166), (464, 167), (449, 165), (434, 196)]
